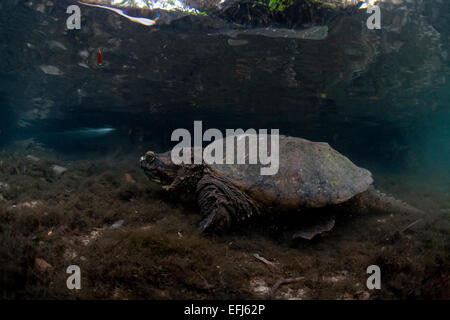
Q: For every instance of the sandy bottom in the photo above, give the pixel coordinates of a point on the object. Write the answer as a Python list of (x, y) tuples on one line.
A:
[(134, 241)]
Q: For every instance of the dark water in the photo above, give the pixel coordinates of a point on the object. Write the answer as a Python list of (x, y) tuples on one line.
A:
[(365, 124), (415, 145), (373, 132)]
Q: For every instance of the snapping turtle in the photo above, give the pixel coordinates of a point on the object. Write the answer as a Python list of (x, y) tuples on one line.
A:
[(311, 175)]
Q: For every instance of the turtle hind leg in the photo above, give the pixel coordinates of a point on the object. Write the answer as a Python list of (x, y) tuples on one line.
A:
[(372, 199), (221, 203)]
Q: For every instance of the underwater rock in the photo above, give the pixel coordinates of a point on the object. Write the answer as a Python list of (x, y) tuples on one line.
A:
[(117, 224), (56, 45), (32, 158), (237, 43), (313, 33), (70, 254), (30, 204), (339, 277), (52, 70), (362, 295), (4, 186), (83, 65), (309, 233), (290, 294), (41, 265), (94, 235), (129, 178), (259, 287), (403, 58), (83, 54), (58, 170)]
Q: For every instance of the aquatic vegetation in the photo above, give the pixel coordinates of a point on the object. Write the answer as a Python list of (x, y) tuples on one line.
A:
[(280, 5)]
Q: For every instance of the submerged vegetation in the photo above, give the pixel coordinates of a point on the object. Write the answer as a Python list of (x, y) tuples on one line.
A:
[(132, 240), (280, 5)]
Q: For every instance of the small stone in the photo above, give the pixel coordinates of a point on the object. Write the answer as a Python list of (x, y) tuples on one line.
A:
[(117, 224), (83, 54), (4, 186), (52, 70), (94, 235), (237, 43), (58, 170), (341, 276), (363, 295), (259, 286), (30, 204), (32, 158), (129, 178), (40, 8), (41, 265), (56, 45), (347, 296), (70, 254)]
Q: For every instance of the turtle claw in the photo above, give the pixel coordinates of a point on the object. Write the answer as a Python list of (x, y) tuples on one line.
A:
[(218, 220), (206, 223)]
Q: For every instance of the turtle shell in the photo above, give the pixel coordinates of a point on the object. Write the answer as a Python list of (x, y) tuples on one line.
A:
[(310, 174)]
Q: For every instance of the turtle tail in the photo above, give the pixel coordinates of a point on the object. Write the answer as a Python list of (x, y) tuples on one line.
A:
[(375, 200)]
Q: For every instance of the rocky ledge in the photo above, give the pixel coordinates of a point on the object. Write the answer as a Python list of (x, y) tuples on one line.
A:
[(237, 57)]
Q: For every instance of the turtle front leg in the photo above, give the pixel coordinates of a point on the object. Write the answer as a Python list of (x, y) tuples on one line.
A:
[(214, 207), (186, 178), (221, 203)]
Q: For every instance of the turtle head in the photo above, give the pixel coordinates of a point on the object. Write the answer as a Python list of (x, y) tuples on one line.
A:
[(159, 167)]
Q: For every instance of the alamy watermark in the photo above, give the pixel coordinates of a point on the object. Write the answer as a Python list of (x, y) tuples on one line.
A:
[(374, 21), (241, 147), (74, 280), (374, 280), (74, 20)]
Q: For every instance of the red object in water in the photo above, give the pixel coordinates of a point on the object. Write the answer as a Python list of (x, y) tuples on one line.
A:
[(99, 57)]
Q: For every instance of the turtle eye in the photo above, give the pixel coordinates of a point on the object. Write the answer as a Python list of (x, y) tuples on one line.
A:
[(150, 156)]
